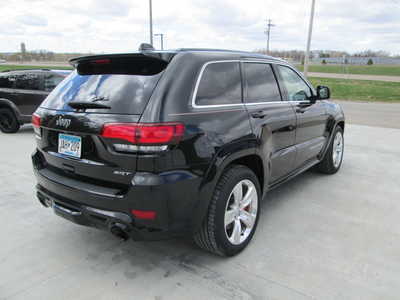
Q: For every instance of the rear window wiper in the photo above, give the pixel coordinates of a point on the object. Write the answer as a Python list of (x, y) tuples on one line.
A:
[(87, 105)]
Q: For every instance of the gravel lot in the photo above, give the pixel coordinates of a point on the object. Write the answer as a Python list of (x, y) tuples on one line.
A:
[(319, 237)]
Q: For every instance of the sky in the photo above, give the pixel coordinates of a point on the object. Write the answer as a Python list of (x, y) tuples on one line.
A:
[(104, 26)]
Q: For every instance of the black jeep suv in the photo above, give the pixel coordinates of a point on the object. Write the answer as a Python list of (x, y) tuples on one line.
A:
[(158, 144), (21, 93)]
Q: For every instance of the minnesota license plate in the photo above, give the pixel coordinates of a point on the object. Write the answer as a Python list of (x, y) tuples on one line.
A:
[(70, 145)]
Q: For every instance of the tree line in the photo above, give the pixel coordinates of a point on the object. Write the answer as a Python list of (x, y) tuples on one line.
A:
[(298, 55), (40, 55)]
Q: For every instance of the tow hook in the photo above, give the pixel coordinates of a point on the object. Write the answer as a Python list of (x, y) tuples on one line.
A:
[(45, 201)]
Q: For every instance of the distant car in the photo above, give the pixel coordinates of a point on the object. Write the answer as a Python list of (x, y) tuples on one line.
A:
[(2, 61), (21, 93)]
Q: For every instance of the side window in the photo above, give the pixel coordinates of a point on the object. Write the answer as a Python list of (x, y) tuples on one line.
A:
[(297, 89), (28, 81), (260, 82), (7, 81), (220, 83), (51, 81)]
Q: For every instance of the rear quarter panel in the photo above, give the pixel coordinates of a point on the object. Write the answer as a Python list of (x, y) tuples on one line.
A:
[(212, 135)]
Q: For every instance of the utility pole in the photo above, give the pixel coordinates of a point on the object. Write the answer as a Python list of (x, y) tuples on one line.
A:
[(161, 35), (268, 32), (151, 21), (310, 29)]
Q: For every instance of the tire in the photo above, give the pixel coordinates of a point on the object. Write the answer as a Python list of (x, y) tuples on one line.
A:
[(8, 121), (228, 240), (334, 155)]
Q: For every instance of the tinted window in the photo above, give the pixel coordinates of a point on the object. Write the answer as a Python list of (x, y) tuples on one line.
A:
[(51, 81), (261, 85), (7, 81), (28, 81), (220, 84), (126, 94), (295, 86)]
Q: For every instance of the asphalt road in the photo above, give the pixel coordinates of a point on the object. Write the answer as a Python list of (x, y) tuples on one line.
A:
[(356, 76), (372, 113), (319, 237)]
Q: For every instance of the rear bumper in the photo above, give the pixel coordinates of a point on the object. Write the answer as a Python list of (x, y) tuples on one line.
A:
[(172, 196), (24, 119), (98, 218)]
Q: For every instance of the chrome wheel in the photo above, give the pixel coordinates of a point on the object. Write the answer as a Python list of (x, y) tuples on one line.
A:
[(241, 212), (337, 149)]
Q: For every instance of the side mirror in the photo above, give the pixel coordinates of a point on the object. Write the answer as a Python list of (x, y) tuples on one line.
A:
[(323, 92)]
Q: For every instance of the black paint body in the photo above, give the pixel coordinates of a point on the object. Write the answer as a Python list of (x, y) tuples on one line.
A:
[(277, 140)]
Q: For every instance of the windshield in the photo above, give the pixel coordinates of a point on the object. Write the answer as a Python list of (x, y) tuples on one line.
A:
[(125, 94)]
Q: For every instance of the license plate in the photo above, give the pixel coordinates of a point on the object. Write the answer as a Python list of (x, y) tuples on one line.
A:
[(70, 145)]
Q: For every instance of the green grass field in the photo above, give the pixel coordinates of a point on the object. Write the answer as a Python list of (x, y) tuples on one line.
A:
[(393, 70), (366, 90), (19, 67)]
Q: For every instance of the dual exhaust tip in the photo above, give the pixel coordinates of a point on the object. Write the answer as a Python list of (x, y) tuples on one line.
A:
[(119, 230)]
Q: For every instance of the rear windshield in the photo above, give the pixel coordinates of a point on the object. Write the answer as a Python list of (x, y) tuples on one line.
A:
[(124, 94)]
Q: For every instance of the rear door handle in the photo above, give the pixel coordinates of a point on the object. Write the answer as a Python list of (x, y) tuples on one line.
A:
[(258, 115)]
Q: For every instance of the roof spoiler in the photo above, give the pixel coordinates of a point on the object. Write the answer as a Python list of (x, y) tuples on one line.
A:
[(145, 53), (142, 63)]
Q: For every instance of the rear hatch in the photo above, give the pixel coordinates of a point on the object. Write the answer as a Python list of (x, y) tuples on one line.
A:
[(70, 123)]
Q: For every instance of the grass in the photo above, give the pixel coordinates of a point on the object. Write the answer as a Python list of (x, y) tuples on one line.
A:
[(387, 70), (19, 67), (365, 90)]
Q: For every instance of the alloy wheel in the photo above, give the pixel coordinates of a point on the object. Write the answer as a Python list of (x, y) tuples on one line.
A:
[(241, 212), (337, 151)]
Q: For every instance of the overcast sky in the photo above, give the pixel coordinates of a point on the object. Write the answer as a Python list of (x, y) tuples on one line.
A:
[(121, 25)]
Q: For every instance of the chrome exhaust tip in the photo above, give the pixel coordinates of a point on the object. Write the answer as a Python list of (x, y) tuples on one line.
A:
[(118, 230)]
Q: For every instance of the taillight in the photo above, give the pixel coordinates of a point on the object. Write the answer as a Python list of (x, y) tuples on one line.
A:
[(144, 214), (147, 137), (101, 61), (36, 122)]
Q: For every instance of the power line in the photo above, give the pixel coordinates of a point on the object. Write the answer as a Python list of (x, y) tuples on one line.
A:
[(268, 32)]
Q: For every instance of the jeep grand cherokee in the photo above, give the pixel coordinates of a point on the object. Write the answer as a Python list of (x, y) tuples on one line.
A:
[(158, 144)]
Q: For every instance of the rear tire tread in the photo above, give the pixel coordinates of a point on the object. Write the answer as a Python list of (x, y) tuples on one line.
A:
[(326, 166), (15, 124), (205, 236)]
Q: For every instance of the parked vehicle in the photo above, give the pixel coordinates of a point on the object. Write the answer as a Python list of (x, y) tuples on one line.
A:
[(21, 93), (159, 144)]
